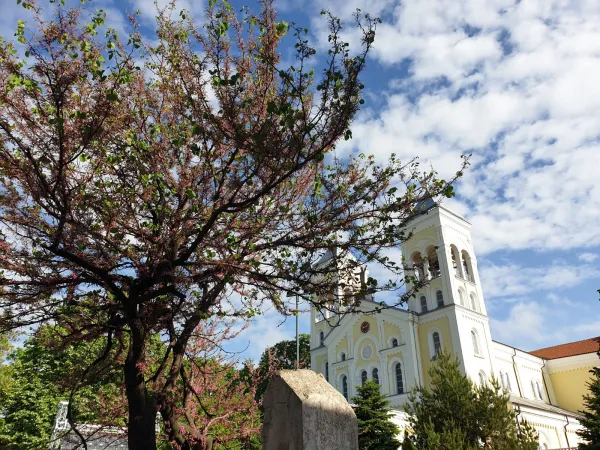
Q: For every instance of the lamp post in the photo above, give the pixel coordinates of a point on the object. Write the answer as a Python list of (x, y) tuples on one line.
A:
[(292, 294)]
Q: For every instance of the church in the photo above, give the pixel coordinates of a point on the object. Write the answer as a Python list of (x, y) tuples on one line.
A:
[(396, 347)]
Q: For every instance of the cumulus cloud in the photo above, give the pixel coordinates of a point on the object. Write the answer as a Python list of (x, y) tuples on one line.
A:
[(531, 325), (588, 257), (525, 322), (514, 83), (513, 280)]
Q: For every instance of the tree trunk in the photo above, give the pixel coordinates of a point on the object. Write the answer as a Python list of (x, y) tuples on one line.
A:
[(142, 407)]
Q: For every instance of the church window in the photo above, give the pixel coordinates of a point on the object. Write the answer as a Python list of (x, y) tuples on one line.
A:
[(454, 252), (437, 343), (539, 391), (394, 342), (461, 297), (440, 298), (482, 378), (535, 395), (434, 264), (473, 302), (363, 377), (507, 382), (475, 342), (375, 373), (423, 304), (399, 381), (418, 266), (345, 387), (466, 264), (343, 356), (327, 370), (321, 337)]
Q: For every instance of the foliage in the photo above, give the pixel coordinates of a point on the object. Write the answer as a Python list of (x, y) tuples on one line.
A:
[(375, 429), (40, 377), (283, 356), (147, 185), (454, 413), (590, 421), (218, 398)]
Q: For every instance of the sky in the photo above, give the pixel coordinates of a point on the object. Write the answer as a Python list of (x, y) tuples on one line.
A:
[(514, 83)]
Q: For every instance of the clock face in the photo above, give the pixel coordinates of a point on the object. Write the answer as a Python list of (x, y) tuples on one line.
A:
[(364, 327)]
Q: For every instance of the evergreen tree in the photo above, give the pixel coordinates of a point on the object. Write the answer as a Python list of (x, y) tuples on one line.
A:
[(375, 429), (282, 356), (456, 414), (591, 415)]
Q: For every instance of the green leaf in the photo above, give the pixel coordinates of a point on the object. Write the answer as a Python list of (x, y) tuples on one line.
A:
[(112, 96)]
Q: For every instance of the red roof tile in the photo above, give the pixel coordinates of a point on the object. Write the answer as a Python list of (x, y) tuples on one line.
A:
[(571, 349)]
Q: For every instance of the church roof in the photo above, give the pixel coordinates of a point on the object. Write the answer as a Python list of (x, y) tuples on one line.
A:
[(538, 404), (591, 345)]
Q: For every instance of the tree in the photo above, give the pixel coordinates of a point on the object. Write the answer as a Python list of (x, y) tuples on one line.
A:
[(454, 413), (283, 356), (40, 378), (375, 429), (148, 185), (590, 421)]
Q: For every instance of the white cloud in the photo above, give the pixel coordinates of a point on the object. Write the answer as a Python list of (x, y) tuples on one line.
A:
[(525, 323), (588, 257), (512, 280), (515, 83), (531, 325)]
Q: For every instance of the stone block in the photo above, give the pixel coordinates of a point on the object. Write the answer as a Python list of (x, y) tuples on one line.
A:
[(304, 412)]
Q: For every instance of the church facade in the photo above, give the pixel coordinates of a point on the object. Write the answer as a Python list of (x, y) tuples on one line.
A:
[(397, 346)]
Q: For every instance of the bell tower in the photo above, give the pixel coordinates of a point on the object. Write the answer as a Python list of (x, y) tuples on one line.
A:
[(451, 309)]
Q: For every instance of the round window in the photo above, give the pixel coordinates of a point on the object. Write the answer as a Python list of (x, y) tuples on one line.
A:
[(367, 352)]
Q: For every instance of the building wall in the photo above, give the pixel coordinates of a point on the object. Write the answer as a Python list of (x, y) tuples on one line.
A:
[(425, 332), (569, 377)]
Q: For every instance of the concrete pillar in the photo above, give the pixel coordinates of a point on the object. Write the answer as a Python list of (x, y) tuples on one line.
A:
[(304, 412)]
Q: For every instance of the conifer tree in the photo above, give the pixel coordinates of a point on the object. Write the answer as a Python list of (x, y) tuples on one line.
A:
[(591, 415), (456, 414), (375, 429)]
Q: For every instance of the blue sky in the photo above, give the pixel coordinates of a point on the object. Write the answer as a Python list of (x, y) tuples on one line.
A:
[(515, 83)]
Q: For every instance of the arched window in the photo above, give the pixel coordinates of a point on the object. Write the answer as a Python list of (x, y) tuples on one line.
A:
[(473, 302), (327, 370), (375, 374), (482, 378), (343, 356), (461, 297), (454, 252), (345, 387), (539, 391), (394, 342), (399, 381), (437, 343), (418, 266), (507, 382), (363, 377), (440, 299), (434, 264), (466, 264), (533, 389), (475, 342), (321, 337), (423, 304)]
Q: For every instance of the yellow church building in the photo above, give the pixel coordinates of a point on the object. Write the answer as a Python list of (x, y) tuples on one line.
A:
[(397, 346)]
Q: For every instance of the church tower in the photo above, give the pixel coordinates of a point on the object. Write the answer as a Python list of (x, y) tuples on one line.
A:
[(450, 308)]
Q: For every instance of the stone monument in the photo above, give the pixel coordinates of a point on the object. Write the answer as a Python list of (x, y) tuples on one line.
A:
[(304, 412)]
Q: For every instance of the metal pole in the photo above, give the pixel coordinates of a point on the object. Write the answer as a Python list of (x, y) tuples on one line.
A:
[(297, 337)]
